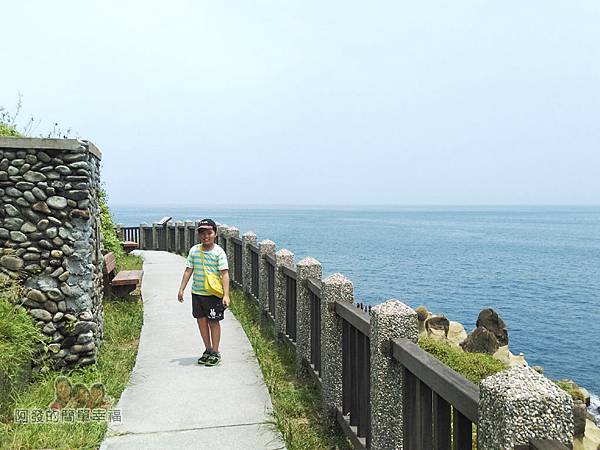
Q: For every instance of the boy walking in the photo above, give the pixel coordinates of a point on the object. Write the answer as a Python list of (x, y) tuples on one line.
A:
[(207, 262)]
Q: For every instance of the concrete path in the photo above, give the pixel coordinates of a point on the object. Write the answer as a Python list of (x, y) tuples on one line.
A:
[(171, 401)]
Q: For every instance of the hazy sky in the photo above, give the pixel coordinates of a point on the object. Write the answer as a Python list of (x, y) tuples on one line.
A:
[(318, 102)]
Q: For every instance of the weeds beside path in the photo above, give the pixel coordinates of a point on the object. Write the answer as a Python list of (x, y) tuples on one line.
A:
[(296, 402), (122, 326)]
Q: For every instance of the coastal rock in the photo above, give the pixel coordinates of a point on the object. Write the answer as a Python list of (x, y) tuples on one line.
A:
[(579, 418), (456, 334), (489, 319), (481, 340)]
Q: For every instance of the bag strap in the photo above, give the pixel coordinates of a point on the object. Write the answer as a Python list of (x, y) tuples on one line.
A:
[(202, 259)]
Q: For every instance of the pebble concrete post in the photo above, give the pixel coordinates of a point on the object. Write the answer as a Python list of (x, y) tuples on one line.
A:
[(305, 269), (247, 238), (155, 236), (189, 235), (334, 288), (265, 247), (143, 244), (179, 231), (390, 320), (518, 404), (221, 232), (282, 257), (167, 231), (231, 232)]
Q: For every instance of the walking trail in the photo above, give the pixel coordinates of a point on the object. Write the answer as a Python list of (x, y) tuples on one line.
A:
[(171, 401)]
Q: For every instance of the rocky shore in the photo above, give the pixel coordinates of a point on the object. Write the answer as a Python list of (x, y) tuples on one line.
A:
[(491, 337)]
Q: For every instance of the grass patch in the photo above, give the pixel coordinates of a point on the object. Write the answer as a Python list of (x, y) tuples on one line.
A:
[(296, 403), (18, 337), (473, 366), (129, 262), (122, 325)]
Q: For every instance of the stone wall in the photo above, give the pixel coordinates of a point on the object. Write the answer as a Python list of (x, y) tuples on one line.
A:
[(50, 238)]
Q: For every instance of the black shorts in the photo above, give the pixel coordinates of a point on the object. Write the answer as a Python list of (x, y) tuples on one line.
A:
[(207, 306)]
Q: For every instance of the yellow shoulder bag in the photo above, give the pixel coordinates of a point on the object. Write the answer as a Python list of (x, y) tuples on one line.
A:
[(212, 281)]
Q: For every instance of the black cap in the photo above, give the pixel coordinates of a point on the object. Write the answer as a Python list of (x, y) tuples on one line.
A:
[(207, 224)]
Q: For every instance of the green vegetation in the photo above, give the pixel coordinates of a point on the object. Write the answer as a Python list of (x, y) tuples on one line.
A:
[(122, 325), (18, 338), (296, 403), (570, 388), (7, 123), (111, 240), (473, 366), (8, 131)]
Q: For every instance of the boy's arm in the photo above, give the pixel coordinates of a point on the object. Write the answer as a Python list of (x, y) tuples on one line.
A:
[(184, 281), (225, 281)]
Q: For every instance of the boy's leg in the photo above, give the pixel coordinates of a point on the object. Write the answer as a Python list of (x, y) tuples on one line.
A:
[(215, 333), (205, 332)]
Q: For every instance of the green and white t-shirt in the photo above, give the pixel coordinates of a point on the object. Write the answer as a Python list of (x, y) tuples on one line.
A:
[(215, 260)]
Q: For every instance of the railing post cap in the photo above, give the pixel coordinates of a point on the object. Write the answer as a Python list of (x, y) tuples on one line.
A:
[(179, 223), (266, 243), (524, 382), (189, 223), (283, 253), (249, 234), (308, 261), (337, 279), (143, 224), (393, 306)]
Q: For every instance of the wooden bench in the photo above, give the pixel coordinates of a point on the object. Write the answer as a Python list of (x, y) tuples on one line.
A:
[(122, 283), (128, 246)]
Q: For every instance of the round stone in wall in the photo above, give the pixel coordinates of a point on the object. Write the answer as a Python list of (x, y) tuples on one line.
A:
[(34, 177), (57, 202), (17, 236), (41, 314), (36, 296), (28, 227), (11, 210), (11, 262)]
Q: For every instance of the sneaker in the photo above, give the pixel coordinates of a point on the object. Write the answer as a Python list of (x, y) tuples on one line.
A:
[(204, 358), (213, 359)]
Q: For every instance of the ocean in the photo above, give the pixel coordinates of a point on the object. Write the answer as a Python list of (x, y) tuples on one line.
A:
[(538, 267)]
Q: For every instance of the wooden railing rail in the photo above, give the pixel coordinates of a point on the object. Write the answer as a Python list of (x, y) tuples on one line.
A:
[(254, 273), (355, 416), (237, 258), (433, 394), (289, 274)]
